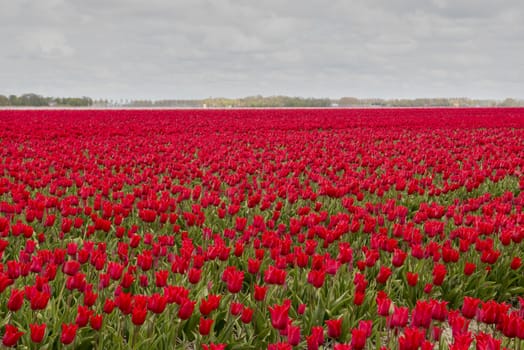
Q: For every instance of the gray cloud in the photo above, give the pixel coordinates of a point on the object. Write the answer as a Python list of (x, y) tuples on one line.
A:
[(199, 48)]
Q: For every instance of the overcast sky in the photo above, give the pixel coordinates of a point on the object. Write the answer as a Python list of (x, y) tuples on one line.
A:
[(159, 49)]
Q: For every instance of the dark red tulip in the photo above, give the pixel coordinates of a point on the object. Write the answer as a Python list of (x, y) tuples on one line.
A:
[(186, 309), (334, 328), (205, 325), (37, 332), (16, 300), (279, 315), (68, 333), (11, 335)]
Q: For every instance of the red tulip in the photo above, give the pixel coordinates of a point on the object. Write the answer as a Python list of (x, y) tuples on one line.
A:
[(469, 307), (358, 298), (253, 265), (83, 314), (156, 303), (260, 292), (516, 263), (334, 328), (208, 305), (247, 315), (469, 268), (411, 340), (194, 275), (293, 335), (383, 303), (316, 278), (399, 256), (412, 278), (383, 274), (236, 308), (96, 322), (186, 309), (16, 300), (279, 314), (439, 272), (487, 342), (421, 315), (11, 335), (68, 333), (138, 315), (205, 325), (399, 318), (358, 339), (39, 300), (37, 332), (71, 267)]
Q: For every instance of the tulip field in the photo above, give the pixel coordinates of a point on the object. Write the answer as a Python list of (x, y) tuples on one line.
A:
[(262, 229)]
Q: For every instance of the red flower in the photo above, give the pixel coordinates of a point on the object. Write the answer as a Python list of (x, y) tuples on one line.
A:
[(234, 279), (301, 309), (16, 300), (487, 342), (208, 305), (71, 267), (253, 265), (439, 272), (412, 339), (37, 332), (293, 335), (274, 275), (205, 325), (358, 339), (247, 315), (236, 308), (399, 318), (260, 292), (161, 278), (109, 305), (412, 278), (96, 322), (39, 300), (138, 316), (280, 314), (11, 335), (469, 307), (358, 298), (398, 257), (421, 315), (516, 263), (83, 314), (334, 328), (156, 303), (469, 268), (213, 346), (383, 303), (194, 275), (68, 333), (383, 274), (316, 278), (186, 309)]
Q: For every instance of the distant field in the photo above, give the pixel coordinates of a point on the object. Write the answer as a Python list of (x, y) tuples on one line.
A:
[(262, 228)]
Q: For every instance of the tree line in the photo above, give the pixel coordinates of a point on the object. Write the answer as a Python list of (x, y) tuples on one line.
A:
[(34, 100)]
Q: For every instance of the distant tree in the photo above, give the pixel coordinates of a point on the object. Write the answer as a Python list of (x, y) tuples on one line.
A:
[(4, 101)]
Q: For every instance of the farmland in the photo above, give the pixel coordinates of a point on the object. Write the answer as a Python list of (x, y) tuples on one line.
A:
[(254, 229)]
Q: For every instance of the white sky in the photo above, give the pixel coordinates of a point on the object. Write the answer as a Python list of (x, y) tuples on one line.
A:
[(159, 49)]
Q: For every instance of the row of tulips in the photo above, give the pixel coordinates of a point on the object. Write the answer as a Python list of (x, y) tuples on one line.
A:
[(250, 229)]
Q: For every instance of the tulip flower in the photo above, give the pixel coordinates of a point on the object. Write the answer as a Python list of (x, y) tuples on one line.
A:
[(37, 332), (68, 333), (11, 335)]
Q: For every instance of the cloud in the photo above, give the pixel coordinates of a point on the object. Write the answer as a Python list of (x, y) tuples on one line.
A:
[(198, 48)]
